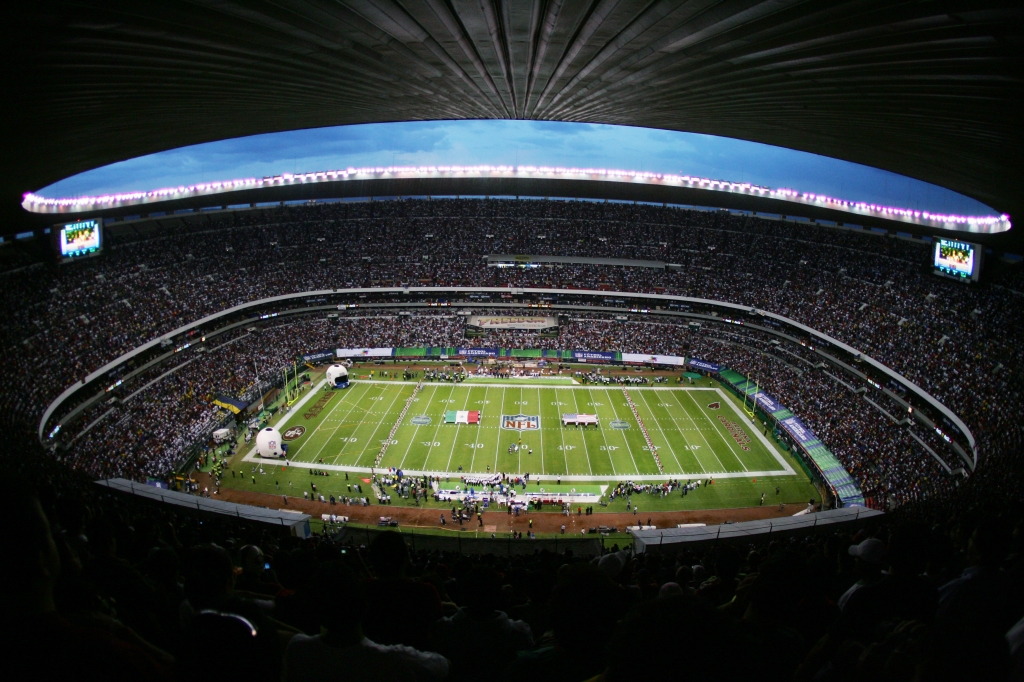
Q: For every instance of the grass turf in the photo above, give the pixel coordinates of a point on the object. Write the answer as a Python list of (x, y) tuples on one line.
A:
[(690, 436)]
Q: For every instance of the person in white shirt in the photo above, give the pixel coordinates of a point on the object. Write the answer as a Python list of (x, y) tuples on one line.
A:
[(341, 651)]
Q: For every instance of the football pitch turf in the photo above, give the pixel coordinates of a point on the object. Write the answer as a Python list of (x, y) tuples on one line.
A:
[(696, 431)]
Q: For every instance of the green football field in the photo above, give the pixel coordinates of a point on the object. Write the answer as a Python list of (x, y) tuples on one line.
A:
[(696, 432)]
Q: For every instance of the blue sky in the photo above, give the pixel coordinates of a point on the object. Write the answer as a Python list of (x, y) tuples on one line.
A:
[(538, 143)]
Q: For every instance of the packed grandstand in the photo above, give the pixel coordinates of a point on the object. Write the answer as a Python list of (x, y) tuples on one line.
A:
[(871, 292), (209, 596), (477, 404)]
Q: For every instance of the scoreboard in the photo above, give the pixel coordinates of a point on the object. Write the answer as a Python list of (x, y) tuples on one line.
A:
[(957, 260)]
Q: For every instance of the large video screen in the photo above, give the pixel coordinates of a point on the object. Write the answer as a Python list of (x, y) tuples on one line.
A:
[(80, 239), (956, 259)]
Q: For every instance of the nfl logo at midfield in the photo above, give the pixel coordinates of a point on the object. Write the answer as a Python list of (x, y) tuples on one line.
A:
[(520, 422)]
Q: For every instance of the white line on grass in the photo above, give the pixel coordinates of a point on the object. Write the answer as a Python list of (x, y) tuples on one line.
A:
[(458, 428), (764, 440), (611, 457), (296, 409), (700, 431), (546, 477), (412, 439), (440, 421), (584, 437), (629, 448), (344, 419), (377, 428), (479, 424), (561, 434), (668, 441), (728, 441), (720, 463), (497, 442), (344, 401), (540, 434)]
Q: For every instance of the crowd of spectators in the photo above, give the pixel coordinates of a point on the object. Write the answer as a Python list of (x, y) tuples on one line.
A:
[(874, 293), (120, 588)]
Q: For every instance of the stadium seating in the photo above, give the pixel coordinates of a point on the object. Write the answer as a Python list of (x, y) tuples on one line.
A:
[(146, 589), (872, 292)]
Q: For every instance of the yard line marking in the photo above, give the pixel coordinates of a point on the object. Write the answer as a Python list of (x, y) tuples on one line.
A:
[(412, 439), (439, 423), (668, 441), (479, 426), (604, 437), (701, 432), (561, 433), (341, 422), (541, 435), (458, 428), (611, 401), (323, 421), (586, 447), (497, 441), (545, 477), (345, 420), (377, 428), (764, 440), (728, 441)]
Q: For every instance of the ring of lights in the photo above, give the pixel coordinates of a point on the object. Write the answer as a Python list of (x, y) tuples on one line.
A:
[(239, 187)]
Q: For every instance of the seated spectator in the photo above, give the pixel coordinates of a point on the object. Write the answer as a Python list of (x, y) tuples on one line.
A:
[(341, 650), (421, 606), (479, 636), (983, 594), (902, 594), (210, 594), (679, 638), (253, 577), (42, 642), (584, 608), (869, 555)]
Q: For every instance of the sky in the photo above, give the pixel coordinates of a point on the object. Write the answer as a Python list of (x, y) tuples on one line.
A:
[(506, 142)]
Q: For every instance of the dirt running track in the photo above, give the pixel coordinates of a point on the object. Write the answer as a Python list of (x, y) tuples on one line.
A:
[(543, 522)]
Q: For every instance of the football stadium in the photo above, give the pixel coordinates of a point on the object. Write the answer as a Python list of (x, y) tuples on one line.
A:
[(411, 341)]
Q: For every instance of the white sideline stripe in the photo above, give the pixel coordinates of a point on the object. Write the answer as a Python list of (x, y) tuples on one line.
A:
[(584, 387), (295, 409), (760, 436), (533, 476)]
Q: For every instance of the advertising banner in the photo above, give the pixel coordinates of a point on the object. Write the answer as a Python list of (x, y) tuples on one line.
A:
[(704, 365), (526, 322), (653, 359), (768, 403), (598, 356), (318, 355), (364, 352), (477, 352), (796, 428)]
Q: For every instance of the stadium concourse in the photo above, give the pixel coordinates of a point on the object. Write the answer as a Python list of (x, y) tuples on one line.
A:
[(928, 593)]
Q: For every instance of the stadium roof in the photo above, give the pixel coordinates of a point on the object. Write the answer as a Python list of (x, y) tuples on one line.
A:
[(932, 90)]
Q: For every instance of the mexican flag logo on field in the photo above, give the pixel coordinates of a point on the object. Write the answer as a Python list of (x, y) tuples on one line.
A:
[(462, 417)]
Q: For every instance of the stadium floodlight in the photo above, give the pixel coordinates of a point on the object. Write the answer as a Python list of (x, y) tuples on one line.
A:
[(986, 224)]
